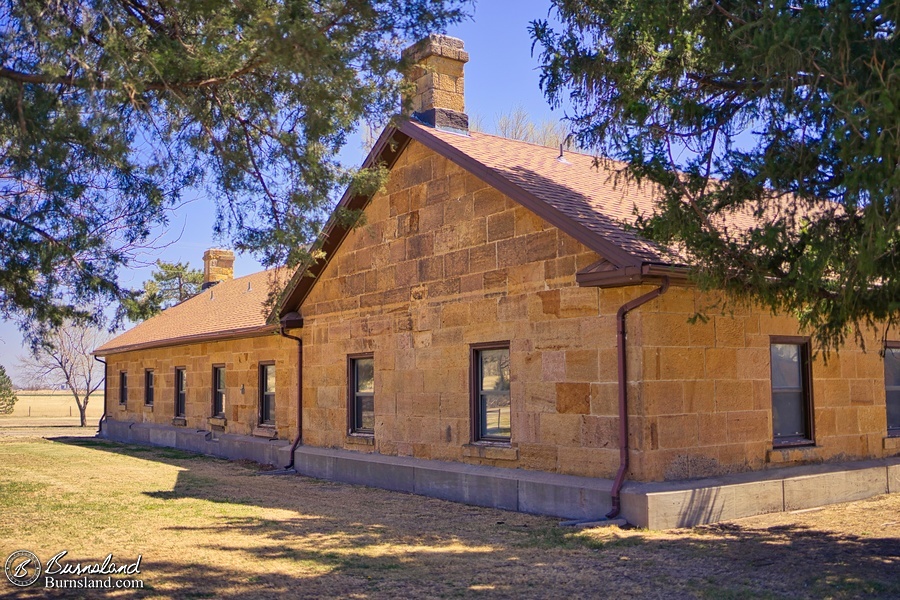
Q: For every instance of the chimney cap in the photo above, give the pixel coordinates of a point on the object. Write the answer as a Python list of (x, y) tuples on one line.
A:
[(437, 44)]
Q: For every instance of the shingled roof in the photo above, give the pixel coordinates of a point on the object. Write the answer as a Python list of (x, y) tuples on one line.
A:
[(591, 204), (229, 309)]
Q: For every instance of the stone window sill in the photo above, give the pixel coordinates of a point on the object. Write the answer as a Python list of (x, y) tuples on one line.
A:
[(361, 440), (266, 431), (179, 422), (217, 421), (787, 454), (490, 451), (892, 441)]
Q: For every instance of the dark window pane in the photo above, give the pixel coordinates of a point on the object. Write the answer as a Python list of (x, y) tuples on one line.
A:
[(788, 414), (365, 375), (892, 367), (366, 412), (786, 366), (893, 410), (495, 416), (219, 391), (270, 378), (495, 369)]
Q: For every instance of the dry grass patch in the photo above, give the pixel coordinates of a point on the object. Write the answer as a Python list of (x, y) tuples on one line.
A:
[(218, 529)]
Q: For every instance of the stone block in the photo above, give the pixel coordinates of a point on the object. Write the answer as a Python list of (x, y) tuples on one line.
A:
[(721, 363), (734, 395), (663, 397), (561, 429), (581, 365), (678, 431), (729, 332), (538, 457), (573, 398), (675, 363), (600, 432), (713, 428), (747, 426)]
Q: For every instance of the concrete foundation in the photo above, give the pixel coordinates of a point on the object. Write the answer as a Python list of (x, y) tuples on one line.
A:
[(688, 503), (235, 447), (663, 505)]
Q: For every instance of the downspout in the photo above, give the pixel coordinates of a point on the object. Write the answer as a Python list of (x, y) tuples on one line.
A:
[(623, 391), (281, 331), (105, 392)]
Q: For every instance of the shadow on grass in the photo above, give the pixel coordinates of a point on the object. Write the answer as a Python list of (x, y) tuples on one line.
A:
[(338, 540)]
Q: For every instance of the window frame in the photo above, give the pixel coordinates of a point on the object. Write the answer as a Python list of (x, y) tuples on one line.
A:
[(806, 388), (215, 391), (263, 422), (180, 392), (149, 387), (890, 345), (477, 418), (353, 395), (123, 388)]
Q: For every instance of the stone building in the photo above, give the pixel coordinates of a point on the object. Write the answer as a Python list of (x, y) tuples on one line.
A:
[(494, 334)]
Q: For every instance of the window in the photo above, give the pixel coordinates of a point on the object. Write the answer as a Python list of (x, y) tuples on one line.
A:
[(218, 389), (180, 390), (362, 394), (267, 393), (123, 387), (490, 392), (148, 387), (791, 393), (892, 388)]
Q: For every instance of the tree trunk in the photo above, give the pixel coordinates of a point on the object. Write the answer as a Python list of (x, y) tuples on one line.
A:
[(82, 411)]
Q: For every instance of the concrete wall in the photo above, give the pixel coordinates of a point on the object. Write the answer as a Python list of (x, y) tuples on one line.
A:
[(704, 405), (241, 358)]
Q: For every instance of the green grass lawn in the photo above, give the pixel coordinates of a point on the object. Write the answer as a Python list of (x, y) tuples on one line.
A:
[(209, 528)]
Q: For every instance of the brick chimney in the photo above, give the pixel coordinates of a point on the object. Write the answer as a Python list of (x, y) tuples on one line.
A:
[(436, 73), (218, 265)]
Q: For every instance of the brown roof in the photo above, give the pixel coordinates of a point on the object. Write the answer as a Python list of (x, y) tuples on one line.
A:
[(588, 203), (230, 308)]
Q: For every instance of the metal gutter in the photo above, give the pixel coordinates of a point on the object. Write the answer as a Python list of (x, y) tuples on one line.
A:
[(191, 339), (289, 320), (105, 392), (623, 391)]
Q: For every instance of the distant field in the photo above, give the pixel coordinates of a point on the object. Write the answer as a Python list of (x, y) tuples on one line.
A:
[(52, 404)]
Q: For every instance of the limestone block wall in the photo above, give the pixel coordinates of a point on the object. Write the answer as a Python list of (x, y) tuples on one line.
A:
[(445, 261), (704, 403), (241, 358)]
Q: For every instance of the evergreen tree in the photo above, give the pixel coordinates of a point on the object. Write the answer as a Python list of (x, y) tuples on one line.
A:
[(171, 284), (785, 111), (110, 108), (8, 397)]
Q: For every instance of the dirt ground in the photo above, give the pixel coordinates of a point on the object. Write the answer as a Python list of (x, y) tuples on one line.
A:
[(209, 528)]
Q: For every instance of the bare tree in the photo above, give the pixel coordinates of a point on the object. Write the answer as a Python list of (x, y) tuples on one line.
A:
[(517, 124), (64, 359)]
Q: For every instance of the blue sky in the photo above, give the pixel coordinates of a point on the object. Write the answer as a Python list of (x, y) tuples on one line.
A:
[(500, 75)]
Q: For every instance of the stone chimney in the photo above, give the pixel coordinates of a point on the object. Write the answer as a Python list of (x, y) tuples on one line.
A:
[(436, 73), (218, 265)]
